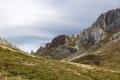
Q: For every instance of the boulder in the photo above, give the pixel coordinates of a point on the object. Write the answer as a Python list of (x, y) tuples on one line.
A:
[(115, 37)]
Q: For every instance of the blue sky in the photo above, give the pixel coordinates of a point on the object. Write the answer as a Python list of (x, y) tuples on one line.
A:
[(28, 23)]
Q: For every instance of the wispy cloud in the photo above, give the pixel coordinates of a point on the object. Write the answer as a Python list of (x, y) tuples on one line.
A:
[(27, 23)]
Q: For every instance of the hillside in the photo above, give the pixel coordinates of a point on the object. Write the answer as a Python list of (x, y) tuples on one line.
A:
[(19, 66), (107, 56)]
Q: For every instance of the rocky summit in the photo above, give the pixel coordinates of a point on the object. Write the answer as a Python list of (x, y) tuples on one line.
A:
[(106, 25)]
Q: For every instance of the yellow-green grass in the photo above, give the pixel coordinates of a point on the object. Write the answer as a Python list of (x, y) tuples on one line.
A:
[(18, 66), (107, 56)]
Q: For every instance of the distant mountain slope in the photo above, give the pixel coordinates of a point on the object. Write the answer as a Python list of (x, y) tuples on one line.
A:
[(19, 66), (89, 40), (57, 49), (4, 42)]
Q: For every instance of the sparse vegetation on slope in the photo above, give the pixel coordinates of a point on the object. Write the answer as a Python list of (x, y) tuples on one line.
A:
[(18, 66), (107, 56)]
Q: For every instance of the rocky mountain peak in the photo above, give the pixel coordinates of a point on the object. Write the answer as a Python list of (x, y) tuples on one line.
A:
[(105, 26), (97, 35), (108, 20)]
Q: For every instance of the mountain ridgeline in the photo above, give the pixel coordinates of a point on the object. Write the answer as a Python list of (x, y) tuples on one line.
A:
[(78, 47)]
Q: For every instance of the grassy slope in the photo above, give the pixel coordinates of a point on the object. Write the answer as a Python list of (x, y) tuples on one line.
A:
[(107, 56), (18, 66)]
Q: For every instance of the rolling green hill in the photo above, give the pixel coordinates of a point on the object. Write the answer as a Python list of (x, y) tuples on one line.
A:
[(19, 66)]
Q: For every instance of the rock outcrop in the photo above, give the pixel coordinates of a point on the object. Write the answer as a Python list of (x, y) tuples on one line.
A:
[(56, 42)]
